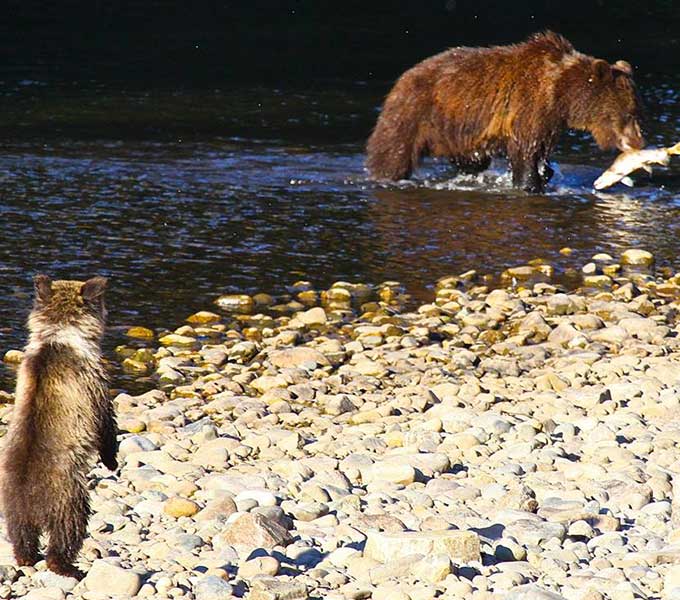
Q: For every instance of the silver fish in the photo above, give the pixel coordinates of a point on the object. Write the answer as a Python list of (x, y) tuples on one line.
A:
[(632, 160)]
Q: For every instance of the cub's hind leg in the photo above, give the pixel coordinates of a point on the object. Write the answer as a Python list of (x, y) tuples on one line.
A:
[(67, 533), (25, 538)]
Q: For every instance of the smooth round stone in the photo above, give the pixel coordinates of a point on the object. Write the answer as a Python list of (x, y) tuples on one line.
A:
[(131, 425), (142, 333), (109, 578), (240, 303), (265, 565), (134, 444), (135, 367), (370, 367), (175, 339), (203, 317), (212, 587), (263, 299), (597, 281), (312, 317), (636, 257), (49, 579), (13, 356), (392, 472), (261, 497), (180, 507), (580, 529)]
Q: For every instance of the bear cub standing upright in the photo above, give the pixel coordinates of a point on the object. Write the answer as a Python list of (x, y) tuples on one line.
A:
[(62, 418), (469, 104)]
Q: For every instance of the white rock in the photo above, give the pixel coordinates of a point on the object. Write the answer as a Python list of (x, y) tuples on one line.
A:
[(261, 497), (459, 546), (313, 316), (104, 577)]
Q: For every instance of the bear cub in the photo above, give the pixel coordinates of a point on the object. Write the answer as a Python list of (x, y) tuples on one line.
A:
[(62, 418)]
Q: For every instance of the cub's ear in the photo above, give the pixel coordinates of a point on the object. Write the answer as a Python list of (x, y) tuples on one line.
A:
[(43, 287), (93, 288), (623, 67), (601, 70)]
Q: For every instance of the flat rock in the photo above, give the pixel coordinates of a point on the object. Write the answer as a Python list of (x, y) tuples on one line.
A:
[(211, 587), (459, 546), (532, 592), (299, 357), (271, 588), (48, 579), (392, 472), (534, 532)]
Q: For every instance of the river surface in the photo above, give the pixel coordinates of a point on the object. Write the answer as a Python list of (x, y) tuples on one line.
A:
[(179, 195)]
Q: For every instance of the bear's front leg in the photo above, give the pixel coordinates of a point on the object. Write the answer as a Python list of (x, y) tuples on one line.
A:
[(546, 171), (525, 175), (527, 178)]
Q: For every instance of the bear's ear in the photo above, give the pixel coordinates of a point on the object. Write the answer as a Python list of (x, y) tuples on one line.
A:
[(93, 288), (601, 70), (43, 287), (623, 67)]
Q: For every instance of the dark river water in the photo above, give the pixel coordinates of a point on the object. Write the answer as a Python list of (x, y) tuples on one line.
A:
[(180, 195)]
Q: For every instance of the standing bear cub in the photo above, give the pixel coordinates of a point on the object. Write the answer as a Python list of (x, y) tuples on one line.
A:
[(62, 418), (469, 104)]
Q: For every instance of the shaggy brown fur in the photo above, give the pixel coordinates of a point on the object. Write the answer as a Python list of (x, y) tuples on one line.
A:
[(62, 417), (469, 104)]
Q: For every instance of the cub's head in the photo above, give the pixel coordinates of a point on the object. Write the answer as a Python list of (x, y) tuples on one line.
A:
[(65, 303), (606, 103)]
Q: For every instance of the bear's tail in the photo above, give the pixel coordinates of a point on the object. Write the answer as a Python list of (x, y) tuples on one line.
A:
[(394, 148)]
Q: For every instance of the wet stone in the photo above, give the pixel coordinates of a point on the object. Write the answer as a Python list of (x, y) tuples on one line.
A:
[(637, 257)]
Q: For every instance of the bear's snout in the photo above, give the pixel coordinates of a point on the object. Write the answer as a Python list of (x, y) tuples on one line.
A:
[(631, 138)]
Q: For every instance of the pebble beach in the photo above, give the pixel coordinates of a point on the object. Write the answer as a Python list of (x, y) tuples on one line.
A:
[(516, 440)]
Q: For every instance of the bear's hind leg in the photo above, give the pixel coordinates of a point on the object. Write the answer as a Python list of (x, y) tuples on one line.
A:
[(25, 538)]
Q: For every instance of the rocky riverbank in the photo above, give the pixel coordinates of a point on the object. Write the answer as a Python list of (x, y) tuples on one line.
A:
[(514, 443)]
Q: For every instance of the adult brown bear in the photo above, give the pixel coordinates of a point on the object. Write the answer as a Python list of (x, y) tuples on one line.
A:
[(469, 104)]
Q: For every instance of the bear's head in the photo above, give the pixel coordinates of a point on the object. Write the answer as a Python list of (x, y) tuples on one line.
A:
[(608, 105)]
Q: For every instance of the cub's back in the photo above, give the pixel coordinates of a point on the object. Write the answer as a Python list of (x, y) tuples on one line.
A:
[(55, 420)]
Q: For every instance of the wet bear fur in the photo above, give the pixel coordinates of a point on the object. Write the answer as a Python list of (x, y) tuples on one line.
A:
[(470, 104)]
